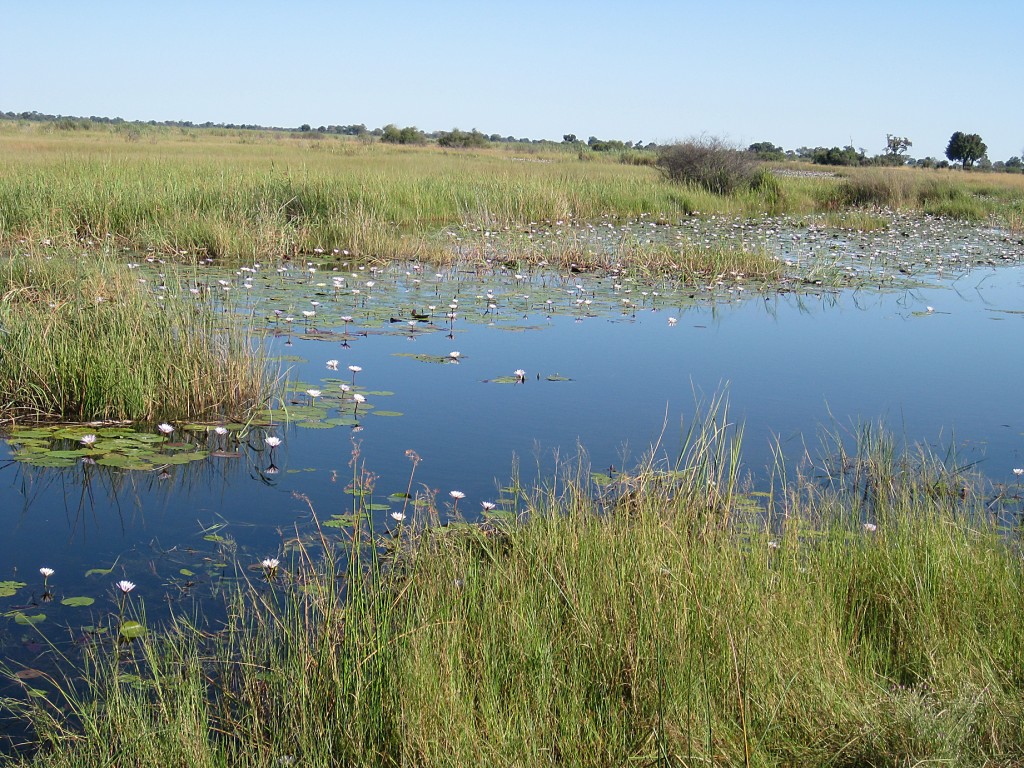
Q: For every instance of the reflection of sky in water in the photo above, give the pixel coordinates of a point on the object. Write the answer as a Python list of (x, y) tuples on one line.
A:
[(791, 364)]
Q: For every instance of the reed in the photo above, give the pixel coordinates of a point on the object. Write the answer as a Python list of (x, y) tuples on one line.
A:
[(84, 339), (248, 195), (663, 618), (242, 197)]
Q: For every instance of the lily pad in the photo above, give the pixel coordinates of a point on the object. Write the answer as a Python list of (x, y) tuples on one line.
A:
[(77, 602), (387, 413), (185, 458), (8, 588), (131, 630), (425, 358), (26, 619), (27, 433), (29, 674)]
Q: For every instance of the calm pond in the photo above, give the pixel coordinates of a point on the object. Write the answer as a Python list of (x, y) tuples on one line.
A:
[(922, 332)]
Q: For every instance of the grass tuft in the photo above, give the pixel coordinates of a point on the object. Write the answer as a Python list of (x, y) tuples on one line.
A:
[(84, 340)]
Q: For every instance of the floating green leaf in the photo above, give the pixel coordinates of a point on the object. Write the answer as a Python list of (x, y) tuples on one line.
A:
[(27, 620), (77, 602), (8, 588), (424, 358), (132, 629)]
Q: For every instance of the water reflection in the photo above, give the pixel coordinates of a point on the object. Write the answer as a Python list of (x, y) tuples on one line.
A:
[(606, 364)]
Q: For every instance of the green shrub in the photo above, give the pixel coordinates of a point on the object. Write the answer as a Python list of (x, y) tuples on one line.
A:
[(709, 163)]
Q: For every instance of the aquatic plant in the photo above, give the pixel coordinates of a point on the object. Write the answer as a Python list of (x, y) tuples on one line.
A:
[(269, 566), (782, 628), (113, 349)]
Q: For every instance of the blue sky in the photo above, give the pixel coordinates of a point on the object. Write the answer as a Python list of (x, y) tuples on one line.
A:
[(795, 73)]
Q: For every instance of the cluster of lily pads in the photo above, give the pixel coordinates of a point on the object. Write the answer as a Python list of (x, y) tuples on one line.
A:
[(331, 298), (122, 447)]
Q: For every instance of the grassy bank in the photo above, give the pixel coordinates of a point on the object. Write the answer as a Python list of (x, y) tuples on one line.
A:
[(876, 620), (83, 339), (252, 196)]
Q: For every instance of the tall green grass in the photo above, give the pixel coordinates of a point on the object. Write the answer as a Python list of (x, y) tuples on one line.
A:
[(83, 339), (248, 196), (968, 197), (206, 193), (660, 620)]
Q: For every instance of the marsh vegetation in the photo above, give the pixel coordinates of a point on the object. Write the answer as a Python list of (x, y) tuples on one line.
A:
[(284, 316)]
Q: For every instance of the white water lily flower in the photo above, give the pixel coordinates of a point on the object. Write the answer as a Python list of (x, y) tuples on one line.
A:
[(520, 374), (457, 495), (88, 440), (47, 572), (454, 355), (126, 586), (270, 563), (272, 441), (1018, 471), (359, 398), (332, 365), (165, 428), (399, 516), (870, 527), (355, 368), (313, 392), (221, 430), (488, 505)]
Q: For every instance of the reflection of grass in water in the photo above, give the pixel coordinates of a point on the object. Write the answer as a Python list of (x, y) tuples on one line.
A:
[(659, 613), (83, 340)]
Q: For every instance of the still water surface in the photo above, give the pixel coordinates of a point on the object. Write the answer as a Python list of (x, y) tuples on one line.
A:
[(940, 364)]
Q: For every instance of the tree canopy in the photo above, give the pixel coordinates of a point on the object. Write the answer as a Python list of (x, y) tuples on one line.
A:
[(965, 147)]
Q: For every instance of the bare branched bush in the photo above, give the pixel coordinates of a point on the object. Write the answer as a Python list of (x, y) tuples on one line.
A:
[(710, 163)]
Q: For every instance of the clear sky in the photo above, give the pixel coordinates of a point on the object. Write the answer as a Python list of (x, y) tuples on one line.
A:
[(794, 73)]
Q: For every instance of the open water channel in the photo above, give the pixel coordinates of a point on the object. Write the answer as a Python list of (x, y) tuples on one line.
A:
[(918, 327)]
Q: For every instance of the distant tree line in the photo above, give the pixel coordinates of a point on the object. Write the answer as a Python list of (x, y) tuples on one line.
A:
[(966, 150)]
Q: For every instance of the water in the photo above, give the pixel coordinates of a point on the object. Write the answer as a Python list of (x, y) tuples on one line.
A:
[(629, 375)]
